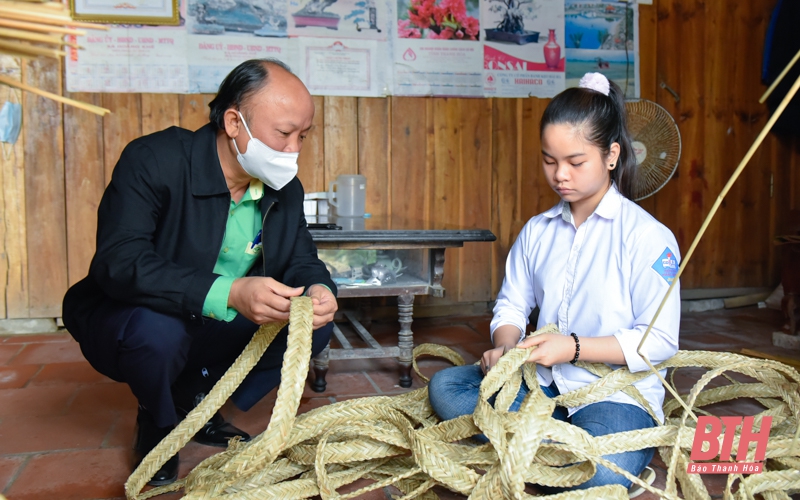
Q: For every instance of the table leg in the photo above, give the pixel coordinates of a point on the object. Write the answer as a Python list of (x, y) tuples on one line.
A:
[(364, 316), (321, 370), (405, 338)]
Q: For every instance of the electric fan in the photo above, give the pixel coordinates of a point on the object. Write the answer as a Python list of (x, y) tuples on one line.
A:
[(656, 144)]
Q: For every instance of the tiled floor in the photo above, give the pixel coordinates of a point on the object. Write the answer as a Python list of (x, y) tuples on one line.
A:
[(66, 431)]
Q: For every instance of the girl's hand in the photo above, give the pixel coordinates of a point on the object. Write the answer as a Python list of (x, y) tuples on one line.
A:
[(552, 349), (492, 356)]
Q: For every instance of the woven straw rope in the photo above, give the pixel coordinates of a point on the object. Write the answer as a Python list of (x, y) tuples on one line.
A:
[(398, 440)]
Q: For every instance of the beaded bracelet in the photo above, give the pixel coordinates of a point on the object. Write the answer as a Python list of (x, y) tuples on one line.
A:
[(577, 348)]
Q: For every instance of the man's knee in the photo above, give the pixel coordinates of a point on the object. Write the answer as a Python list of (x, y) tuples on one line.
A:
[(160, 337)]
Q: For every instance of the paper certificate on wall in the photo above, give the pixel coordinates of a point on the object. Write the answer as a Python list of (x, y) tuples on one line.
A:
[(344, 67), (126, 11), (129, 60)]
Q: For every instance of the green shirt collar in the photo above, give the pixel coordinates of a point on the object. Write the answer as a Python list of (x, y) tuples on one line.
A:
[(256, 189)]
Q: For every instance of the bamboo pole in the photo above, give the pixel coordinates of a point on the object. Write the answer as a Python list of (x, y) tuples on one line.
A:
[(701, 232), (780, 77), (41, 28), (30, 49), (43, 18), (10, 11), (35, 7), (64, 100), (34, 37)]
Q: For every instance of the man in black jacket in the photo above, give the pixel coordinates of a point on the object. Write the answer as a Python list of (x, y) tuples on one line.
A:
[(201, 238)]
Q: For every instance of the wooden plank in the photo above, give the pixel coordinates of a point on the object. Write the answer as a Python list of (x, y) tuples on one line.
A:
[(774, 156), (193, 112), (752, 19), (159, 111), (506, 159), (794, 179), (14, 264), (429, 177), (409, 161), (648, 55), (447, 195), (311, 164), (374, 153), (44, 191), (684, 201), (84, 180), (123, 125), (341, 135), (719, 126), (535, 194), (648, 70), (475, 265)]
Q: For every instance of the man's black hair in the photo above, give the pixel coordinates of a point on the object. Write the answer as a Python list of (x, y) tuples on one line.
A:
[(245, 79)]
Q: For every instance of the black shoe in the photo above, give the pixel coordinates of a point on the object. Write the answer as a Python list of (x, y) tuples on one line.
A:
[(148, 435), (216, 432)]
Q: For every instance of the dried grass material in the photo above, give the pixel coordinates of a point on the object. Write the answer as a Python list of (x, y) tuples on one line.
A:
[(399, 441)]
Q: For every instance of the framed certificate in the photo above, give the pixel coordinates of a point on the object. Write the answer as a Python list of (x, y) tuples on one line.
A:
[(158, 12)]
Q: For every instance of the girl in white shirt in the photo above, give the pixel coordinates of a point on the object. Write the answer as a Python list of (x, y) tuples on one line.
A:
[(597, 265)]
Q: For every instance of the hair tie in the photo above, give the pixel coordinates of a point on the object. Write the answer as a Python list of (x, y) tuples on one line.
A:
[(595, 81)]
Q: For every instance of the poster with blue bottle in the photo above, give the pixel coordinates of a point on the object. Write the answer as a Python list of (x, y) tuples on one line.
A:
[(523, 49), (603, 37)]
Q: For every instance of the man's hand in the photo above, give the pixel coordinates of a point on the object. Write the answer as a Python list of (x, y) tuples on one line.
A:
[(262, 300), (325, 305), (552, 349)]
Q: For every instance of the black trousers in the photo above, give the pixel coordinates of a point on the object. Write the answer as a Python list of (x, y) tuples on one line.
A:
[(167, 361)]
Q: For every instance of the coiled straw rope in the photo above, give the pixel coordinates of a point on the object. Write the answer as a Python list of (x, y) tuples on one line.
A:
[(399, 441)]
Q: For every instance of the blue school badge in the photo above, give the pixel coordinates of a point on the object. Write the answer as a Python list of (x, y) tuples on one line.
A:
[(667, 265)]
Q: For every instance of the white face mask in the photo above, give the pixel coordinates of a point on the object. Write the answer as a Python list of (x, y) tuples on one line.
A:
[(273, 168)]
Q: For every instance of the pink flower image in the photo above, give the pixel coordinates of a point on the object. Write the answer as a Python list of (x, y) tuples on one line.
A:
[(471, 27), (447, 20), (457, 9), (404, 31), (421, 12)]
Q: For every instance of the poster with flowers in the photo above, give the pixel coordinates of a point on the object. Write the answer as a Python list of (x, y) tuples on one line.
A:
[(437, 48), (523, 51)]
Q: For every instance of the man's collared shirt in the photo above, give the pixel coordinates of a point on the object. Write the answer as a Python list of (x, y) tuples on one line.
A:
[(606, 277), (241, 246)]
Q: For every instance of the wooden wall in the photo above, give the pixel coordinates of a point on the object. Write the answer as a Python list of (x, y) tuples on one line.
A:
[(472, 162)]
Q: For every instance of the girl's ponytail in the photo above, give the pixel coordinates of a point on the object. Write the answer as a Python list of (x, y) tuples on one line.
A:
[(624, 174)]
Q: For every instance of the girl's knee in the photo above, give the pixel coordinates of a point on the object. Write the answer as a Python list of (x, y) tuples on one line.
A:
[(438, 385), (632, 462), (452, 392)]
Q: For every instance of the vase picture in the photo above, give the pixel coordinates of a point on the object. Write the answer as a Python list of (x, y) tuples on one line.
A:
[(552, 51)]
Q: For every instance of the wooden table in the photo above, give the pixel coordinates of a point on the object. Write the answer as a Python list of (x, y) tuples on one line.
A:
[(424, 246)]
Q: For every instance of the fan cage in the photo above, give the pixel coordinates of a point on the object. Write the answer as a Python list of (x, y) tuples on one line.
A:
[(653, 126)]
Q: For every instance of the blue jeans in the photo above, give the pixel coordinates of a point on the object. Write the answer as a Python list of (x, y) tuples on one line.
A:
[(454, 392)]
